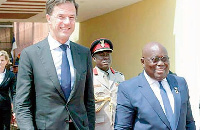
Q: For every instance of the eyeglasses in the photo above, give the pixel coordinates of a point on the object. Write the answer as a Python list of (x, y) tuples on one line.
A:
[(156, 59), (64, 19)]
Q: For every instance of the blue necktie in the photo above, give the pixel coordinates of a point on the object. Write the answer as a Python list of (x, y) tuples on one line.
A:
[(65, 73), (167, 106)]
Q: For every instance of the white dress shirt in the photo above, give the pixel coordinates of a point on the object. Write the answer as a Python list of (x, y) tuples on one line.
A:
[(2, 75), (156, 89), (56, 53)]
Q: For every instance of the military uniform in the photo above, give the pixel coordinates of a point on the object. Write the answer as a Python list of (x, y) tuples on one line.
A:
[(106, 81), (105, 91)]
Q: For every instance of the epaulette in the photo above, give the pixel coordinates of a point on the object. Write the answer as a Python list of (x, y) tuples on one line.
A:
[(112, 70), (95, 71), (119, 72)]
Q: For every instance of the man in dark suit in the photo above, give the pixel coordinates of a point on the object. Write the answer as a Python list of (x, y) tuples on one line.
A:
[(154, 100), (46, 97)]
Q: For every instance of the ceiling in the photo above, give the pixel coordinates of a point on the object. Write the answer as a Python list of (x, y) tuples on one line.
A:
[(34, 10)]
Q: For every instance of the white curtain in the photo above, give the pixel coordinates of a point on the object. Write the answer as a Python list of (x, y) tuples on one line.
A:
[(187, 49)]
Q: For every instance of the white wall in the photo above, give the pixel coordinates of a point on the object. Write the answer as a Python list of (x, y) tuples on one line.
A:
[(187, 49)]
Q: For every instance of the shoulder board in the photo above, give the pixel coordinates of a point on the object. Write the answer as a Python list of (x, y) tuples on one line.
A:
[(95, 71), (112, 70), (119, 72)]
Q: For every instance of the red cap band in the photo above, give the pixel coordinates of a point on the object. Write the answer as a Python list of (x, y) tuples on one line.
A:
[(99, 46)]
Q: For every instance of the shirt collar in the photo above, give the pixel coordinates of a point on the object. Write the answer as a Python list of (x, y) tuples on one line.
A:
[(101, 72), (4, 71), (150, 80), (54, 43), (109, 71)]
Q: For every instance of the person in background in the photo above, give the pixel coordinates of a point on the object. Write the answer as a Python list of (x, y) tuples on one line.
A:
[(106, 81), (15, 70), (154, 100), (55, 80), (7, 87), (15, 66)]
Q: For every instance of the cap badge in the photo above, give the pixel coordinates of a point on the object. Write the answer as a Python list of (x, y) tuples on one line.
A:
[(102, 43)]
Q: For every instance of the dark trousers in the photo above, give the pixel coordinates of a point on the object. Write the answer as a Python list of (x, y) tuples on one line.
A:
[(5, 118), (71, 126)]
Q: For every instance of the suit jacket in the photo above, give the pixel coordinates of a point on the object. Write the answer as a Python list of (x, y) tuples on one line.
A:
[(40, 102), (139, 109), (7, 87)]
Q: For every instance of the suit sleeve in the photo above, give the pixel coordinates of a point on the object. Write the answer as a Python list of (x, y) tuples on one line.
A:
[(24, 91), (89, 94), (13, 88), (124, 112), (190, 124)]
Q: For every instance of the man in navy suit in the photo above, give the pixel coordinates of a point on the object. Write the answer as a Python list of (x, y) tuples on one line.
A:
[(46, 97), (141, 104)]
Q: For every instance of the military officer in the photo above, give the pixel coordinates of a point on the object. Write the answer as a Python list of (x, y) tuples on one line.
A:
[(106, 81)]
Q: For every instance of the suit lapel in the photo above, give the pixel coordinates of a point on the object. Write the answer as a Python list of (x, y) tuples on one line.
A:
[(152, 99), (177, 99), (112, 80), (6, 78), (45, 56), (76, 58), (101, 79)]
